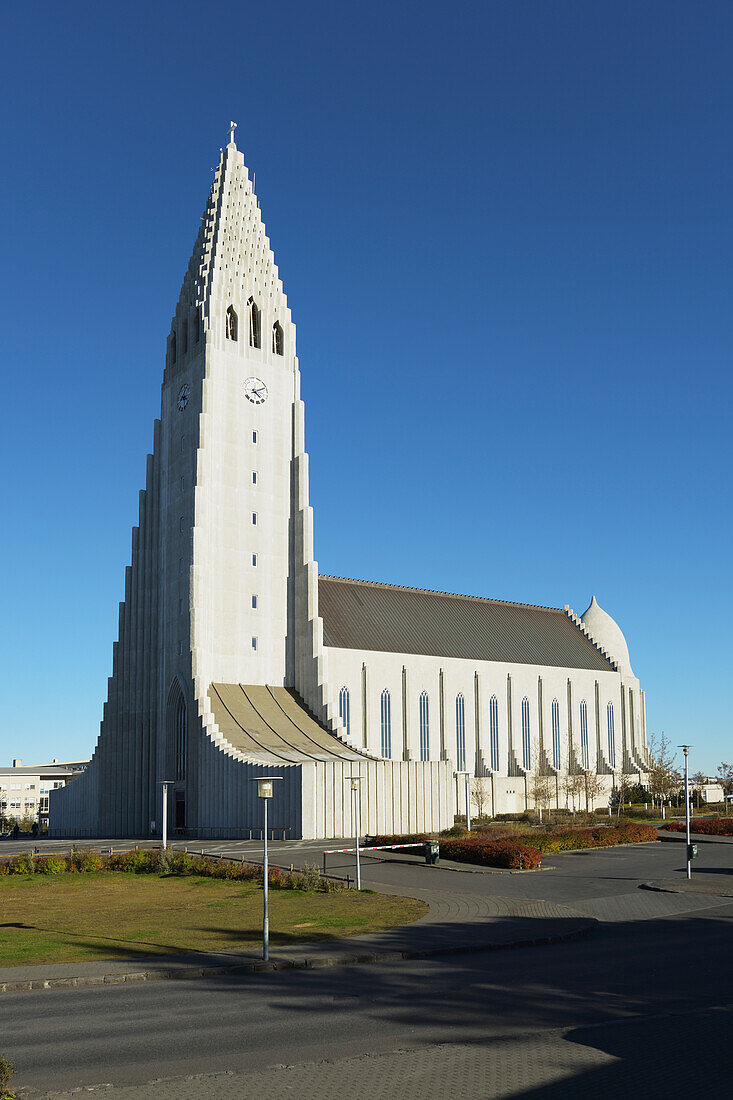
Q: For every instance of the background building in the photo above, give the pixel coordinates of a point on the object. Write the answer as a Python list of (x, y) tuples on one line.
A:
[(25, 789)]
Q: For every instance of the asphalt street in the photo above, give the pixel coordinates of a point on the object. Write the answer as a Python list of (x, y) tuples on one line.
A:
[(649, 988)]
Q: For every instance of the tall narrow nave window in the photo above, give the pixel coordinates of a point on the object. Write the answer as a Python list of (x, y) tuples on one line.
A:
[(494, 732), (424, 726), (460, 733), (277, 339), (385, 707), (526, 736), (176, 723), (584, 734), (611, 736), (556, 755), (231, 325), (255, 340), (345, 709)]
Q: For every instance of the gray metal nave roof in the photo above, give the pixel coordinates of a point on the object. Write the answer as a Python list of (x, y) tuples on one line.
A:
[(391, 619)]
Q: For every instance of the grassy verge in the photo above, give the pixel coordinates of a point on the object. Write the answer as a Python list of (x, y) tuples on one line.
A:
[(79, 918)]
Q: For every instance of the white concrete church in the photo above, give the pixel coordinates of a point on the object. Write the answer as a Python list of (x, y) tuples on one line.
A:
[(235, 659)]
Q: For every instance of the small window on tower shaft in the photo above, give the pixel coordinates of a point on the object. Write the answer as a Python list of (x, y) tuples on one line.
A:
[(254, 643), (183, 484), (183, 443), (254, 603), (254, 437), (255, 340), (277, 339), (254, 477), (180, 524), (180, 565), (254, 559), (254, 519)]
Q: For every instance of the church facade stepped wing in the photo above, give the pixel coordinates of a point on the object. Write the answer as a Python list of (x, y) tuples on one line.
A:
[(234, 659)]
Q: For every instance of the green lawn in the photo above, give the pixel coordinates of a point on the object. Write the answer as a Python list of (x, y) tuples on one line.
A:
[(81, 917)]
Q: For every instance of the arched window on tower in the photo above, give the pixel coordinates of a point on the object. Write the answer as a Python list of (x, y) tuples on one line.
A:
[(494, 732), (460, 733), (195, 326), (172, 347), (231, 325), (611, 736), (278, 339), (345, 709), (584, 755), (386, 723), (255, 338), (556, 753), (424, 726), (526, 735), (176, 722)]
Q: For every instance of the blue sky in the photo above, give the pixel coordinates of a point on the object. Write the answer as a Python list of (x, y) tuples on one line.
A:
[(505, 233)]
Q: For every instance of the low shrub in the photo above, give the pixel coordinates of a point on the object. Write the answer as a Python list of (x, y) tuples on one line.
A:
[(85, 860), (51, 865), (151, 861), (21, 865), (7, 1072), (706, 826)]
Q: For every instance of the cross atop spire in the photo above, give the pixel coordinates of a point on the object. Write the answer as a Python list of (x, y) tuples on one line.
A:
[(232, 128)]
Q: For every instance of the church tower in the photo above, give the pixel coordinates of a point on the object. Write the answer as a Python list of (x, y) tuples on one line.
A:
[(220, 660)]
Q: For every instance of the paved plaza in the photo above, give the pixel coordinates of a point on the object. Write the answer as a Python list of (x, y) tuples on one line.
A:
[(639, 999)]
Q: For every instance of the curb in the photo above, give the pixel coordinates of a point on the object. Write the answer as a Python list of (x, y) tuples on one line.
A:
[(697, 838), (258, 967)]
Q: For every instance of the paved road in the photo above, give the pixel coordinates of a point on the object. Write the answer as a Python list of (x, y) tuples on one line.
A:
[(643, 1002)]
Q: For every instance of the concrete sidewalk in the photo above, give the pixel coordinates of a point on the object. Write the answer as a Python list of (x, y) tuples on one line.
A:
[(454, 923)]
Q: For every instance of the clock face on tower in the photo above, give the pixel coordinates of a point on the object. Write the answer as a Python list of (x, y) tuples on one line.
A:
[(255, 390), (183, 395)]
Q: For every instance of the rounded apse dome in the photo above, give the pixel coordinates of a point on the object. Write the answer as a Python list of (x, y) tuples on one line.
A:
[(607, 633)]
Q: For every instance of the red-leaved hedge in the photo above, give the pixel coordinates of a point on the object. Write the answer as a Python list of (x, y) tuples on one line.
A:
[(486, 853), (524, 850), (710, 826), (474, 849)]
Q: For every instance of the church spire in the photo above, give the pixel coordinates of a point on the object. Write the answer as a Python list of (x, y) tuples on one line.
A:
[(232, 264)]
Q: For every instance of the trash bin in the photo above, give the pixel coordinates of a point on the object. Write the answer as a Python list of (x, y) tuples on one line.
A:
[(692, 851), (432, 851)]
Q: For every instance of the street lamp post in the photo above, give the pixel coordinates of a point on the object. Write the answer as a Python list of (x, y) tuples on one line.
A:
[(264, 790), (355, 780), (165, 784), (686, 751)]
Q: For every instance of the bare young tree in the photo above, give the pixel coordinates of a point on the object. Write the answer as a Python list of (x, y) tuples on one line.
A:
[(624, 784), (699, 782), (593, 787), (541, 788), (480, 796), (725, 778), (572, 785), (664, 776)]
